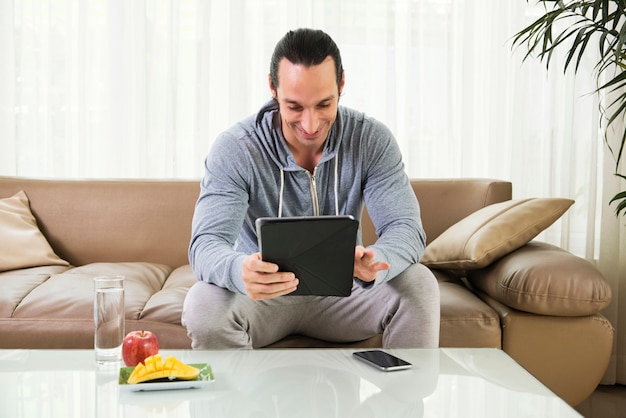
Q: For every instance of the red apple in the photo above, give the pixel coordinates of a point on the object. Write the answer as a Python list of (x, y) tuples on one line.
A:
[(137, 346)]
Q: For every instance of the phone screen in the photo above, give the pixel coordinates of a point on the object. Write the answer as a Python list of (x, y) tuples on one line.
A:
[(381, 360)]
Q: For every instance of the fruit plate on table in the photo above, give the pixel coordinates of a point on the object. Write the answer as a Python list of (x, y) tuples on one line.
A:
[(204, 378)]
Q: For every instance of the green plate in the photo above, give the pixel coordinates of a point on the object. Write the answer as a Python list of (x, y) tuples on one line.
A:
[(205, 377)]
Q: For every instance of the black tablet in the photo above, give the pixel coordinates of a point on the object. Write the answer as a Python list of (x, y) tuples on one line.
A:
[(318, 249)]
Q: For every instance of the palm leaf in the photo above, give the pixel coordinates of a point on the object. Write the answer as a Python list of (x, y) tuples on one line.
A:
[(586, 21), (621, 205)]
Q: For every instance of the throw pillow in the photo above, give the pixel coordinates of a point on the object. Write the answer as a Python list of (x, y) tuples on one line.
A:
[(22, 244), (544, 279), (492, 232)]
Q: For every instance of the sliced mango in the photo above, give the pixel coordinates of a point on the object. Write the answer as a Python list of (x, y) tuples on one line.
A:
[(154, 367)]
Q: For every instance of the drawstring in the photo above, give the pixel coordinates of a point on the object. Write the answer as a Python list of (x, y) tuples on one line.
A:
[(280, 200), (336, 195), (282, 187)]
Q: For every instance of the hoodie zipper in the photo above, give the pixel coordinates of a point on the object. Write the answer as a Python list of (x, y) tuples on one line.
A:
[(316, 209)]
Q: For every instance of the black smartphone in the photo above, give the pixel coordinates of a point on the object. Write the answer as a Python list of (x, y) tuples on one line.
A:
[(381, 360)]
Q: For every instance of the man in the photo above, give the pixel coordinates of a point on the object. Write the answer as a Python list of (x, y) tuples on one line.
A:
[(303, 154)]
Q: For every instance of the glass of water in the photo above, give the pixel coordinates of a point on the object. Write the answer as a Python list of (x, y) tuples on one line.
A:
[(108, 313)]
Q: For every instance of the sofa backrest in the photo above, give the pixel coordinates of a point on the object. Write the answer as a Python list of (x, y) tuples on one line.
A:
[(443, 202), (89, 221)]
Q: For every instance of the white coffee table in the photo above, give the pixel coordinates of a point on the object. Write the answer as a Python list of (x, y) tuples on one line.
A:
[(282, 383)]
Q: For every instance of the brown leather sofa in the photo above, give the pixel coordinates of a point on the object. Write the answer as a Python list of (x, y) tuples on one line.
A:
[(141, 229)]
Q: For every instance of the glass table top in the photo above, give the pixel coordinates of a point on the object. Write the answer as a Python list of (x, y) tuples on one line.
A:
[(282, 383)]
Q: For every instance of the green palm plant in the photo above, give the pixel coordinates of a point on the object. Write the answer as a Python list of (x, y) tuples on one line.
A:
[(576, 25)]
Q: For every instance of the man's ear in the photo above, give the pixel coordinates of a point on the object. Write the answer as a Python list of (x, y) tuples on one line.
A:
[(271, 84)]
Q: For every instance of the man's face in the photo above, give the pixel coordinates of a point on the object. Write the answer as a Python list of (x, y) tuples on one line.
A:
[(308, 98)]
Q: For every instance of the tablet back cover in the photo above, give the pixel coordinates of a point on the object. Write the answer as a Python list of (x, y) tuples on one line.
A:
[(318, 249)]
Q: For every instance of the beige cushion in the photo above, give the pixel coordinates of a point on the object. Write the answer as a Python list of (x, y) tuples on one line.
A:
[(22, 244), (543, 279), (492, 232)]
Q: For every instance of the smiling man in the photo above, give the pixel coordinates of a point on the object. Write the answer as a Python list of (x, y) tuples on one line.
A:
[(303, 154), (308, 100)]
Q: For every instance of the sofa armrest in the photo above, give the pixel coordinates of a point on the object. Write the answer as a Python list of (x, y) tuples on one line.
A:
[(567, 354), (543, 279)]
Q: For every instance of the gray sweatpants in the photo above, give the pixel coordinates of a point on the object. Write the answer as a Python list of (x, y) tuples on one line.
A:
[(406, 310)]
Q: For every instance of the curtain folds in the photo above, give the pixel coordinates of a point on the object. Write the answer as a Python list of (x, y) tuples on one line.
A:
[(114, 88)]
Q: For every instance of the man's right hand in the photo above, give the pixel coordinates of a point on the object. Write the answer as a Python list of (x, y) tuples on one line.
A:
[(263, 280)]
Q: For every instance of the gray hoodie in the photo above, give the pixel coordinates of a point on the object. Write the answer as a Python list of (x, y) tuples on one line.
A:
[(251, 173)]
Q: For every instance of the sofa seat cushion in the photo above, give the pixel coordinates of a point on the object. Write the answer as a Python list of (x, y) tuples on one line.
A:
[(70, 294), (17, 284), (543, 279), (167, 304), (53, 306), (466, 321)]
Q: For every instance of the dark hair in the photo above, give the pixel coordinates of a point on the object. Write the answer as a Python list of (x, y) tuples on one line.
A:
[(307, 47)]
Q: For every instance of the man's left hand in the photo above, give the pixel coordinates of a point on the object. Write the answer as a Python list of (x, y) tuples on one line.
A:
[(365, 268)]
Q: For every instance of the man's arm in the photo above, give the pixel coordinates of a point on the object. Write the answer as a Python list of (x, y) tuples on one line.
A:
[(217, 223), (392, 206), (218, 219)]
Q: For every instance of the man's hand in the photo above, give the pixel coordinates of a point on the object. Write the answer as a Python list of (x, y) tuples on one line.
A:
[(263, 280), (365, 268)]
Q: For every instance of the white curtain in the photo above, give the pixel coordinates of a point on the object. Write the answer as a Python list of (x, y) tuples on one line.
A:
[(116, 88)]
